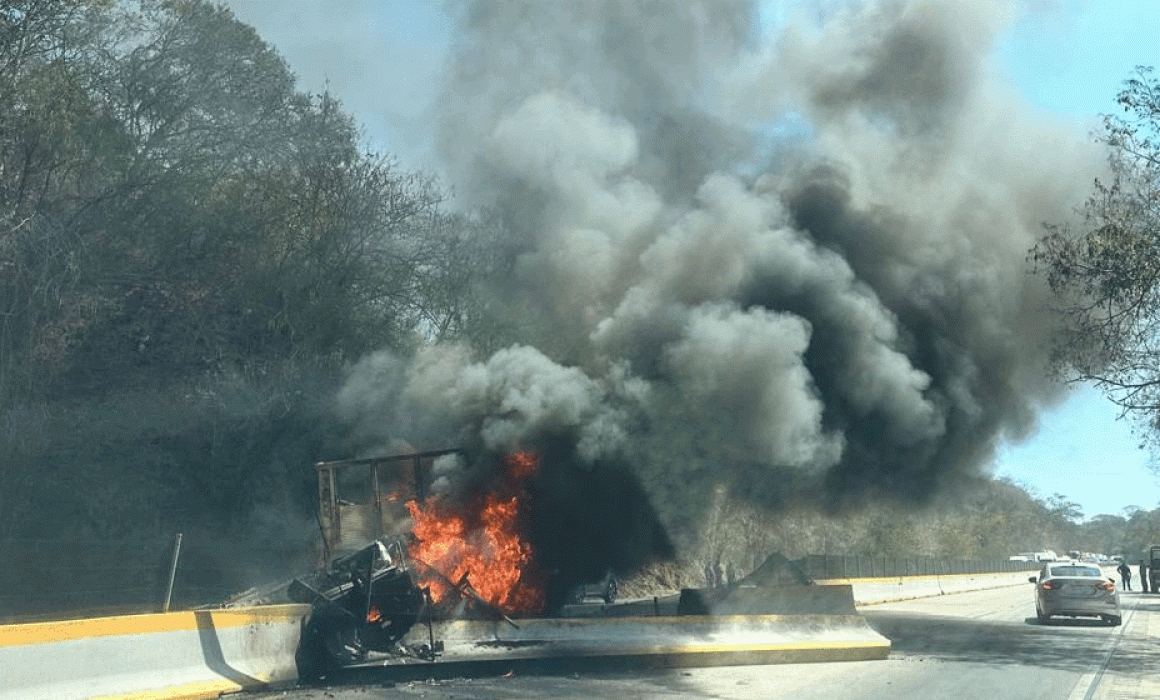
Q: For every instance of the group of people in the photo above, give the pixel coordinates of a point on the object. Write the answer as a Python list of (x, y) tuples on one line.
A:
[(1126, 576)]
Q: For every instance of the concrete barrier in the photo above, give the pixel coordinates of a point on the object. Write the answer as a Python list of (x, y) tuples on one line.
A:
[(667, 641), (768, 600), (868, 591), (192, 654)]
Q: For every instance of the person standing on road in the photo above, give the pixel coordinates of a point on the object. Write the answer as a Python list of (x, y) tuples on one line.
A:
[(1125, 575), (1143, 577)]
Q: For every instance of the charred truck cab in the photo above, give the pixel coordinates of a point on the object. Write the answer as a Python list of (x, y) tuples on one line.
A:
[(365, 593), (363, 602), (375, 580)]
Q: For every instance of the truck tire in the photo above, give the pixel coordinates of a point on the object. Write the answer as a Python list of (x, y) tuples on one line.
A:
[(611, 591)]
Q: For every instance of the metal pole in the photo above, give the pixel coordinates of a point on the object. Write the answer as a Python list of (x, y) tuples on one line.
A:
[(172, 573), (430, 605)]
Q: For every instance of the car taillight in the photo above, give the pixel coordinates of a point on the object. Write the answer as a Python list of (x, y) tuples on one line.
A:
[(1107, 586), (1047, 586)]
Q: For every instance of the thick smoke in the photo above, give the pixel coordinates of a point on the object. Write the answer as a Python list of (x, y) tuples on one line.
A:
[(838, 314)]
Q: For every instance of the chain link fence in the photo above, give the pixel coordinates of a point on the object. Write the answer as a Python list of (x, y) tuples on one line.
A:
[(64, 579), (834, 566)]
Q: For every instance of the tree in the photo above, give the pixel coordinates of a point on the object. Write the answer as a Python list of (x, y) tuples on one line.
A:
[(179, 225), (1103, 534), (1107, 275), (1063, 508), (53, 139), (177, 207)]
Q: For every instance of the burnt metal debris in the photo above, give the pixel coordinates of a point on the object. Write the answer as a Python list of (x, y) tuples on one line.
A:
[(375, 601), (367, 600), (366, 603)]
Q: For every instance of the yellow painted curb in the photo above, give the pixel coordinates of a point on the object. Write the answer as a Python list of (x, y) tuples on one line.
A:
[(49, 632), (204, 690)]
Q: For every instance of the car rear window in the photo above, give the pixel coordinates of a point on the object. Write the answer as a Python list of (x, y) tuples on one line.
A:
[(1076, 571)]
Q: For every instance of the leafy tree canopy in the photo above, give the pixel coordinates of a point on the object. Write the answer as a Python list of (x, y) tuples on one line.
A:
[(1107, 275), (171, 205)]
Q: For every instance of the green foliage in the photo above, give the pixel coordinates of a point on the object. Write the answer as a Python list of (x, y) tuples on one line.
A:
[(190, 249), (170, 205), (51, 145), (229, 453)]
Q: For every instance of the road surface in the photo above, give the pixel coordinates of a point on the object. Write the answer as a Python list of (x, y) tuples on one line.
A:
[(983, 645)]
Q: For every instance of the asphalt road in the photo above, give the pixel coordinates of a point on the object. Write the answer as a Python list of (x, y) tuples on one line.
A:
[(980, 645)]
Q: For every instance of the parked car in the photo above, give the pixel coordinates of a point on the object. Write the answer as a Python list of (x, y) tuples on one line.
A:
[(1075, 590), (607, 588)]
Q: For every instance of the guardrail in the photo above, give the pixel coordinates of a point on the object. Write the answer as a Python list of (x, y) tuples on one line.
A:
[(887, 589)]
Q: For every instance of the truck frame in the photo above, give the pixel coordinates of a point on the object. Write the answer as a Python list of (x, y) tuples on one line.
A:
[(360, 499)]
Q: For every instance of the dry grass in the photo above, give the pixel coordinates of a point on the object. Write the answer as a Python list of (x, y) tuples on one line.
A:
[(662, 578)]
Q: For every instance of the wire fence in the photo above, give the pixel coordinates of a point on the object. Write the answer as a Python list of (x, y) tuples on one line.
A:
[(833, 566), (66, 579)]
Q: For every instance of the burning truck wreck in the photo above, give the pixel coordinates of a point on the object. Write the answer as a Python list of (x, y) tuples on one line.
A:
[(411, 541), (449, 557), (428, 556)]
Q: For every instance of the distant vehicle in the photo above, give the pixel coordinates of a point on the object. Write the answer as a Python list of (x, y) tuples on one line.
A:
[(607, 588), (1075, 590), (1046, 555)]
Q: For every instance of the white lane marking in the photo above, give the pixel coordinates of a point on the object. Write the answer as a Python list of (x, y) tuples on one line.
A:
[(1089, 682)]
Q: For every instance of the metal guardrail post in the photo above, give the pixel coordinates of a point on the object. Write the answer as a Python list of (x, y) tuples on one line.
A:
[(172, 573)]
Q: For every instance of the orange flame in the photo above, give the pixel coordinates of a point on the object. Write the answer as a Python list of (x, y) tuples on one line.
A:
[(522, 465), (482, 542)]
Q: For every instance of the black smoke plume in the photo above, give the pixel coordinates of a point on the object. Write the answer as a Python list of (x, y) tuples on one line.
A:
[(790, 263)]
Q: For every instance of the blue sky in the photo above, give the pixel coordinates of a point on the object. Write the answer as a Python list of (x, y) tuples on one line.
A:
[(1068, 57), (1071, 58)]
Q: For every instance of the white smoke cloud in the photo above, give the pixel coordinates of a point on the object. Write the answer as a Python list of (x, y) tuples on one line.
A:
[(552, 137)]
